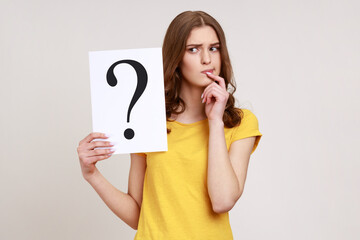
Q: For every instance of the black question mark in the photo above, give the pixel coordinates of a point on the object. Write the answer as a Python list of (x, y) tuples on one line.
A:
[(142, 79)]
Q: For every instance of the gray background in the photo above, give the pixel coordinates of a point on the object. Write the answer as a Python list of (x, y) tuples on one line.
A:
[(297, 68)]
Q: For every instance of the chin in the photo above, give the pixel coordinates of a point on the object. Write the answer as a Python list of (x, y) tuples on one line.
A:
[(204, 84), (207, 80)]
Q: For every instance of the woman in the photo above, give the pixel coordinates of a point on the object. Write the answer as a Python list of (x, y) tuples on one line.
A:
[(186, 192)]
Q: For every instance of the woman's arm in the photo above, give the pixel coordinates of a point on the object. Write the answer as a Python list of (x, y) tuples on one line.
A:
[(120, 203), (223, 186), (226, 170), (125, 206)]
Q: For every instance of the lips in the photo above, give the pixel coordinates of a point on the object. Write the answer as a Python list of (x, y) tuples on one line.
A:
[(208, 70)]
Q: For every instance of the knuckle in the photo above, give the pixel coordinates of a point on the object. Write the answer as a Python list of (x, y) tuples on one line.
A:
[(80, 150)]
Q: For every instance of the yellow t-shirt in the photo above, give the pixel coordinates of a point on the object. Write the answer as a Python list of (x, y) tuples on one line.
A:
[(176, 204)]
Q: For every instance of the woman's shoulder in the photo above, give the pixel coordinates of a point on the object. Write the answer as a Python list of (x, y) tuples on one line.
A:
[(248, 127), (248, 118), (245, 113)]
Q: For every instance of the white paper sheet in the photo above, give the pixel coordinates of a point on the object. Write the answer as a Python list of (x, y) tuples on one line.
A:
[(110, 104)]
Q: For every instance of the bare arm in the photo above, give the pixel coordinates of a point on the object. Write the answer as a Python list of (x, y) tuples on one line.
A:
[(120, 203), (123, 205), (223, 185), (227, 170)]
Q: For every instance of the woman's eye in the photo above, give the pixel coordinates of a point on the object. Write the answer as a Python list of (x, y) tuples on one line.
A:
[(193, 50), (213, 49)]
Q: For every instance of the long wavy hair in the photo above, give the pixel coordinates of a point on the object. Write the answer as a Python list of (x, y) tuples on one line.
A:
[(173, 50)]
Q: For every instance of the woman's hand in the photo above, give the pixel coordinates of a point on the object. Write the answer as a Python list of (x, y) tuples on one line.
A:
[(89, 156), (215, 97)]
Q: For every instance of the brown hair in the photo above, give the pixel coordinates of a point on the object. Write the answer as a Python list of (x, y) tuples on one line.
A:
[(173, 51)]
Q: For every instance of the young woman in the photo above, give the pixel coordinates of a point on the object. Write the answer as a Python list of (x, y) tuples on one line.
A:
[(187, 191)]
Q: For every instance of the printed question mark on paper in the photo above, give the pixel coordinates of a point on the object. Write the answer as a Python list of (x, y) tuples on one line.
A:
[(142, 79)]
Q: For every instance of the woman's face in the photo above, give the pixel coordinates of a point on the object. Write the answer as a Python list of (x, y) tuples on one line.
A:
[(202, 54)]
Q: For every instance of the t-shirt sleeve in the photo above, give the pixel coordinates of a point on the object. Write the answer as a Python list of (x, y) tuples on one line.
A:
[(249, 127)]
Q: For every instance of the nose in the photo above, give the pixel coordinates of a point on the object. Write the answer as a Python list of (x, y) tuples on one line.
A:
[(206, 58)]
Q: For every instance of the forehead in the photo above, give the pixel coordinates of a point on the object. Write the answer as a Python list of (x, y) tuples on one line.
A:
[(200, 35)]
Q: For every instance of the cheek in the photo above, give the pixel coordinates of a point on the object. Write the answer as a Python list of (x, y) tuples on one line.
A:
[(187, 66), (217, 63), (218, 60)]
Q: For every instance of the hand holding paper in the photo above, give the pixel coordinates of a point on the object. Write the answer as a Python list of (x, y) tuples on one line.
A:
[(89, 157)]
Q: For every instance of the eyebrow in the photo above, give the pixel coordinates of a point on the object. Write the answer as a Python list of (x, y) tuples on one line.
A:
[(198, 45)]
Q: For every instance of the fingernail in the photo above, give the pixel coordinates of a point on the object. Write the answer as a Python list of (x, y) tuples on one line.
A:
[(202, 95)]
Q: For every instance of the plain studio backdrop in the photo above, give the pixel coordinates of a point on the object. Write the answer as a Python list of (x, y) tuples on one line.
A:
[(297, 67)]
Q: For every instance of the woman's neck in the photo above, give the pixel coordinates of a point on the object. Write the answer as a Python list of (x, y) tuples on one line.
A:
[(195, 109)]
